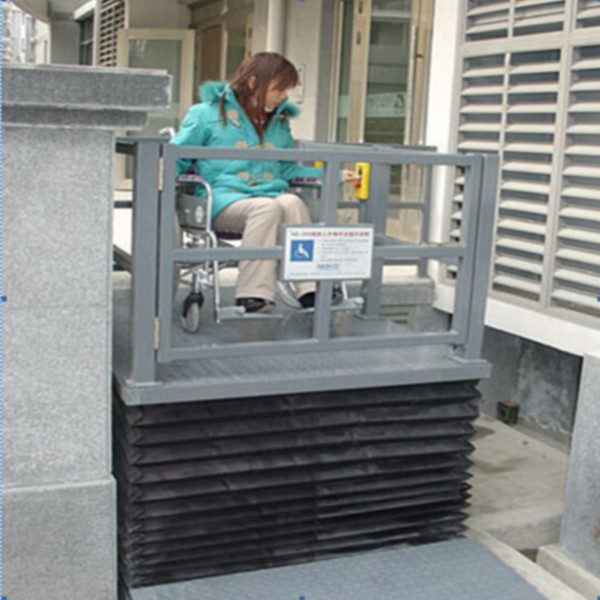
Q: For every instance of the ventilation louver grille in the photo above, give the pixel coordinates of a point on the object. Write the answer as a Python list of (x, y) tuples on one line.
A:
[(480, 128), (529, 146), (487, 19), (112, 18), (538, 16), (533, 96), (588, 14), (577, 269)]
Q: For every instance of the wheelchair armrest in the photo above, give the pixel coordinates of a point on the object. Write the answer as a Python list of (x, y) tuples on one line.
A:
[(306, 182), (228, 235)]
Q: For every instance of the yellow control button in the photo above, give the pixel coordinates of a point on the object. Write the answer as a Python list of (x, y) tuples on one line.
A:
[(361, 187)]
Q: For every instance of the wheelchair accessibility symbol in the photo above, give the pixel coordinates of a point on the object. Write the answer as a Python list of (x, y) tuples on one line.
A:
[(302, 250)]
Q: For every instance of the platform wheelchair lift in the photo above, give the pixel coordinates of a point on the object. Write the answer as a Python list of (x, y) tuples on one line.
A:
[(257, 443), (193, 229)]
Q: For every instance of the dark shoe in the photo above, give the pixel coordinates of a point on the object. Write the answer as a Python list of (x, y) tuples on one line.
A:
[(308, 300), (253, 305), (337, 294)]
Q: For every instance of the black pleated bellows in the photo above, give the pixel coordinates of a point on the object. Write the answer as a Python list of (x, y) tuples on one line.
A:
[(221, 486)]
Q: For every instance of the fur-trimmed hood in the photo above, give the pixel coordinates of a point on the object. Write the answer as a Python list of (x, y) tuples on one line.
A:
[(239, 178), (211, 92)]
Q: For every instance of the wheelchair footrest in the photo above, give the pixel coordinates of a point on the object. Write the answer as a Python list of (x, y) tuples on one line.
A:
[(347, 305), (238, 312)]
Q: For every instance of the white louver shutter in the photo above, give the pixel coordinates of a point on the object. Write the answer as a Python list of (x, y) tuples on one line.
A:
[(538, 16), (112, 18), (487, 19), (480, 121), (588, 13), (481, 104), (531, 92), (576, 277), (528, 152)]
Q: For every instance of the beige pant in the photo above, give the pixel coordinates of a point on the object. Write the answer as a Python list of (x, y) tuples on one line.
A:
[(258, 220)]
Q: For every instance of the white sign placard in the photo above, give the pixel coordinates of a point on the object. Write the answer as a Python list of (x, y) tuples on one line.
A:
[(337, 253)]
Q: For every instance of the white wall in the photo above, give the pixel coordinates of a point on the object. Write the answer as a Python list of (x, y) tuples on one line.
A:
[(163, 14)]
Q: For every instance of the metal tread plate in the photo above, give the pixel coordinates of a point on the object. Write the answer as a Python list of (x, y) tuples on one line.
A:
[(460, 568), (231, 377)]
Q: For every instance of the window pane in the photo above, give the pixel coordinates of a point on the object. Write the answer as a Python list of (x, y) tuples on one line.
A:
[(160, 54)]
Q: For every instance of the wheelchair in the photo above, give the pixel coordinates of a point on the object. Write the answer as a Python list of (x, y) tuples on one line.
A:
[(193, 229)]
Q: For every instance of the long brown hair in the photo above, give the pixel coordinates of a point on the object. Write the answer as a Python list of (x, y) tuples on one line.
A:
[(266, 68)]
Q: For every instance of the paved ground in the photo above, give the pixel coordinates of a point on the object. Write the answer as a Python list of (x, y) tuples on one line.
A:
[(518, 486)]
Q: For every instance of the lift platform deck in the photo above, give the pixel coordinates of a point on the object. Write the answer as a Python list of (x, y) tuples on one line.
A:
[(462, 569), (253, 375)]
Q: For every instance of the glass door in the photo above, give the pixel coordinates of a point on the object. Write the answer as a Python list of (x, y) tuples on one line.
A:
[(171, 50), (224, 38), (387, 71), (238, 30), (383, 50), (383, 54), (209, 54)]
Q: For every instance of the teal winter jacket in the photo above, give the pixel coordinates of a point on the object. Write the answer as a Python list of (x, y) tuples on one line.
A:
[(233, 180)]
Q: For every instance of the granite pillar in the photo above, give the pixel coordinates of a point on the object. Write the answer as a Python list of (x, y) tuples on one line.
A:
[(58, 133), (576, 557)]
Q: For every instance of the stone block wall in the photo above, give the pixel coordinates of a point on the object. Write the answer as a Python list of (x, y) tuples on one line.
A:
[(59, 494)]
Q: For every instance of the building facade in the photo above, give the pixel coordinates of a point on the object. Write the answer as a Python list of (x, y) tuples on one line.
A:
[(24, 39), (516, 77)]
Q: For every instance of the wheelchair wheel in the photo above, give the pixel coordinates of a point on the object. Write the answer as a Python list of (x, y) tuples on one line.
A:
[(190, 312), (285, 291)]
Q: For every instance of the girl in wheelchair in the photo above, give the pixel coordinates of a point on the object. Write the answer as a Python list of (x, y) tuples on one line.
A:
[(249, 197)]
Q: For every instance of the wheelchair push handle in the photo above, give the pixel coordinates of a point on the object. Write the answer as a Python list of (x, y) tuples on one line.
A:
[(190, 179)]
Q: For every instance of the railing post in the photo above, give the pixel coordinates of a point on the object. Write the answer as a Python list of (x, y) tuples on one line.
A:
[(426, 187), (144, 248), (376, 214), (329, 201), (483, 222)]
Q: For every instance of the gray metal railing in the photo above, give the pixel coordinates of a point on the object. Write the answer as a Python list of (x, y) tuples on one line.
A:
[(153, 245)]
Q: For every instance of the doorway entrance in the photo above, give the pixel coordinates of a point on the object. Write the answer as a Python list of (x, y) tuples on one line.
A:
[(383, 49)]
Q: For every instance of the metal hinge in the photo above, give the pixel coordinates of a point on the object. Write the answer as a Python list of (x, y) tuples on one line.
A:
[(156, 332)]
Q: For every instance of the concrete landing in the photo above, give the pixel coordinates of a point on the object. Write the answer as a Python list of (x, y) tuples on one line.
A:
[(554, 560), (518, 486)]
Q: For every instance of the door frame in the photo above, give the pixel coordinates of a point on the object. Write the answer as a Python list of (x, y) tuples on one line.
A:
[(187, 39), (418, 65), (186, 78)]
